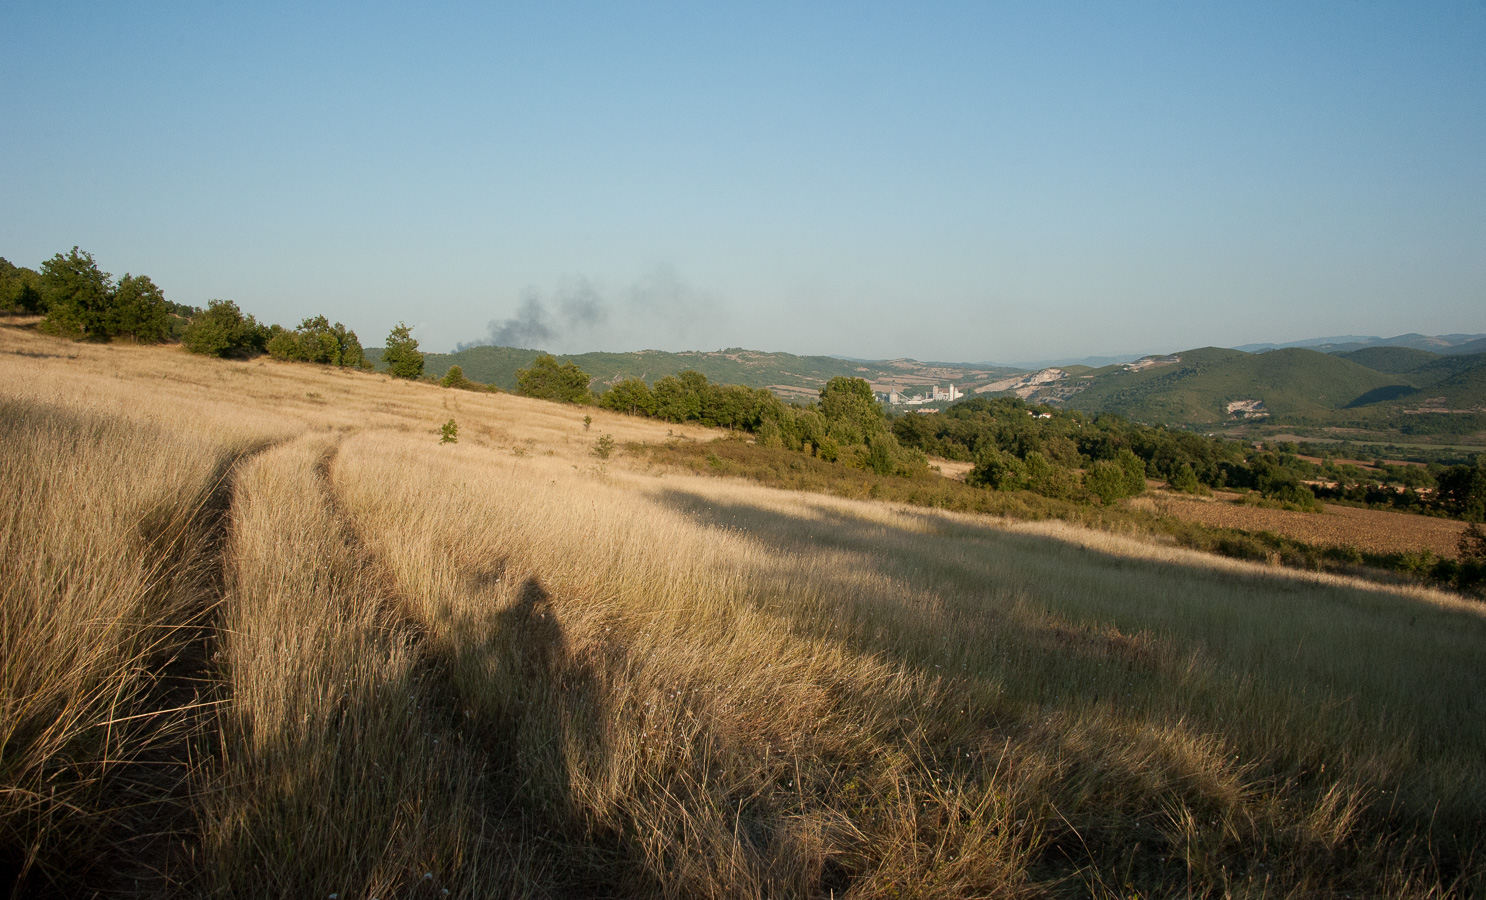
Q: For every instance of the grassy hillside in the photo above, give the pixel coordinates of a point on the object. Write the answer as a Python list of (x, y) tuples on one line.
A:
[(262, 635), (807, 374)]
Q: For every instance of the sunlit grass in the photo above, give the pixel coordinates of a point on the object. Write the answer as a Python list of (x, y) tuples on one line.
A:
[(507, 667)]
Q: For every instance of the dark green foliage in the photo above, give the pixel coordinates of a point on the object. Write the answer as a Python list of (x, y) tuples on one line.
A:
[(1462, 491), (852, 409), (547, 379), (20, 289), (223, 330), (632, 396), (401, 354), (316, 340), (449, 432), (83, 302), (1116, 479), (1185, 480), (139, 310), (678, 398), (76, 294), (454, 378)]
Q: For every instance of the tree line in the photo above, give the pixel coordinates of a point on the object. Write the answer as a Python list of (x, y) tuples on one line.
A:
[(847, 424), (78, 300)]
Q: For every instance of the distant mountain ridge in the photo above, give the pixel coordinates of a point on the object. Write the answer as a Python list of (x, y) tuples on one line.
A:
[(1439, 343)]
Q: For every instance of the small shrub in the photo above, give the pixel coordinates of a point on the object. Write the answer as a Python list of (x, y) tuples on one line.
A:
[(603, 446), (587, 421), (449, 433), (455, 378)]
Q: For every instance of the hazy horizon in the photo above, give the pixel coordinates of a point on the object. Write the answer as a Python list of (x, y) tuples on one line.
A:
[(943, 181)]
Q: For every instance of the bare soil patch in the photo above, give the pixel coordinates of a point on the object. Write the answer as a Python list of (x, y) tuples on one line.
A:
[(951, 468)]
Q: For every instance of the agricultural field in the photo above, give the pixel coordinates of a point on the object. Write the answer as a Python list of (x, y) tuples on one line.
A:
[(1367, 530), (263, 634)]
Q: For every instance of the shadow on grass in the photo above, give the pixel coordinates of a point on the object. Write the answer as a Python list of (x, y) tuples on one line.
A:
[(1140, 649)]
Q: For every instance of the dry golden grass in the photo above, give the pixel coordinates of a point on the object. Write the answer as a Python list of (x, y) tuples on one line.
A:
[(508, 667)]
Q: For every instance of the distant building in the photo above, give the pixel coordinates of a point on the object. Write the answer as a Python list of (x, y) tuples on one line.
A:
[(936, 394)]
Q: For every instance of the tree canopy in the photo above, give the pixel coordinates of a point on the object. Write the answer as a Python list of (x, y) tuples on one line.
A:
[(547, 379), (401, 354), (20, 288), (222, 330), (316, 340), (82, 301)]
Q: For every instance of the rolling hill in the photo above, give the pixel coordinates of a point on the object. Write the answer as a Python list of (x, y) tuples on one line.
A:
[(1373, 386), (792, 377), (1376, 384), (1202, 386)]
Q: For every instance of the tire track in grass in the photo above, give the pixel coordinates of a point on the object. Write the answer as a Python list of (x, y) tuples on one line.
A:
[(151, 853)]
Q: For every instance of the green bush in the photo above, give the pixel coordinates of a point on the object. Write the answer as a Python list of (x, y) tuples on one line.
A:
[(318, 341), (222, 330), (454, 378), (549, 380)]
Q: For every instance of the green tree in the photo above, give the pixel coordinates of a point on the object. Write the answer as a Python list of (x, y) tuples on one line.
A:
[(454, 378), (849, 405), (401, 354), (677, 398), (77, 295), (632, 395), (138, 309), (1186, 481), (549, 380), (999, 471), (1462, 490), (1121, 477), (20, 289), (222, 330), (316, 340), (83, 302)]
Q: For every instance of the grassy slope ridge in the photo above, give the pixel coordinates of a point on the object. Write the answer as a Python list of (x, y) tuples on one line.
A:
[(498, 365), (505, 667)]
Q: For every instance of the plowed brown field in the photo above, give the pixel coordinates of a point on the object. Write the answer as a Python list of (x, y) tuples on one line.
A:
[(1369, 530)]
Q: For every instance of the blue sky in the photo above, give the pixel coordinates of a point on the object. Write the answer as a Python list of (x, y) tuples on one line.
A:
[(972, 182)]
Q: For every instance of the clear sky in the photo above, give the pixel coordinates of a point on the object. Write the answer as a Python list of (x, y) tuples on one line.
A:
[(964, 182)]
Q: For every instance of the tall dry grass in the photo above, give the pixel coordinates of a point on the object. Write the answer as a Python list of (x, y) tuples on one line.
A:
[(106, 564), (1157, 714), (506, 667)]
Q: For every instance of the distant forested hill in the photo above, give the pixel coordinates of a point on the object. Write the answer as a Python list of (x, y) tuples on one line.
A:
[(1198, 388), (793, 377)]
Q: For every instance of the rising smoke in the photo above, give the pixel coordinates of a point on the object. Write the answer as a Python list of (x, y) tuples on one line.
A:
[(657, 310)]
